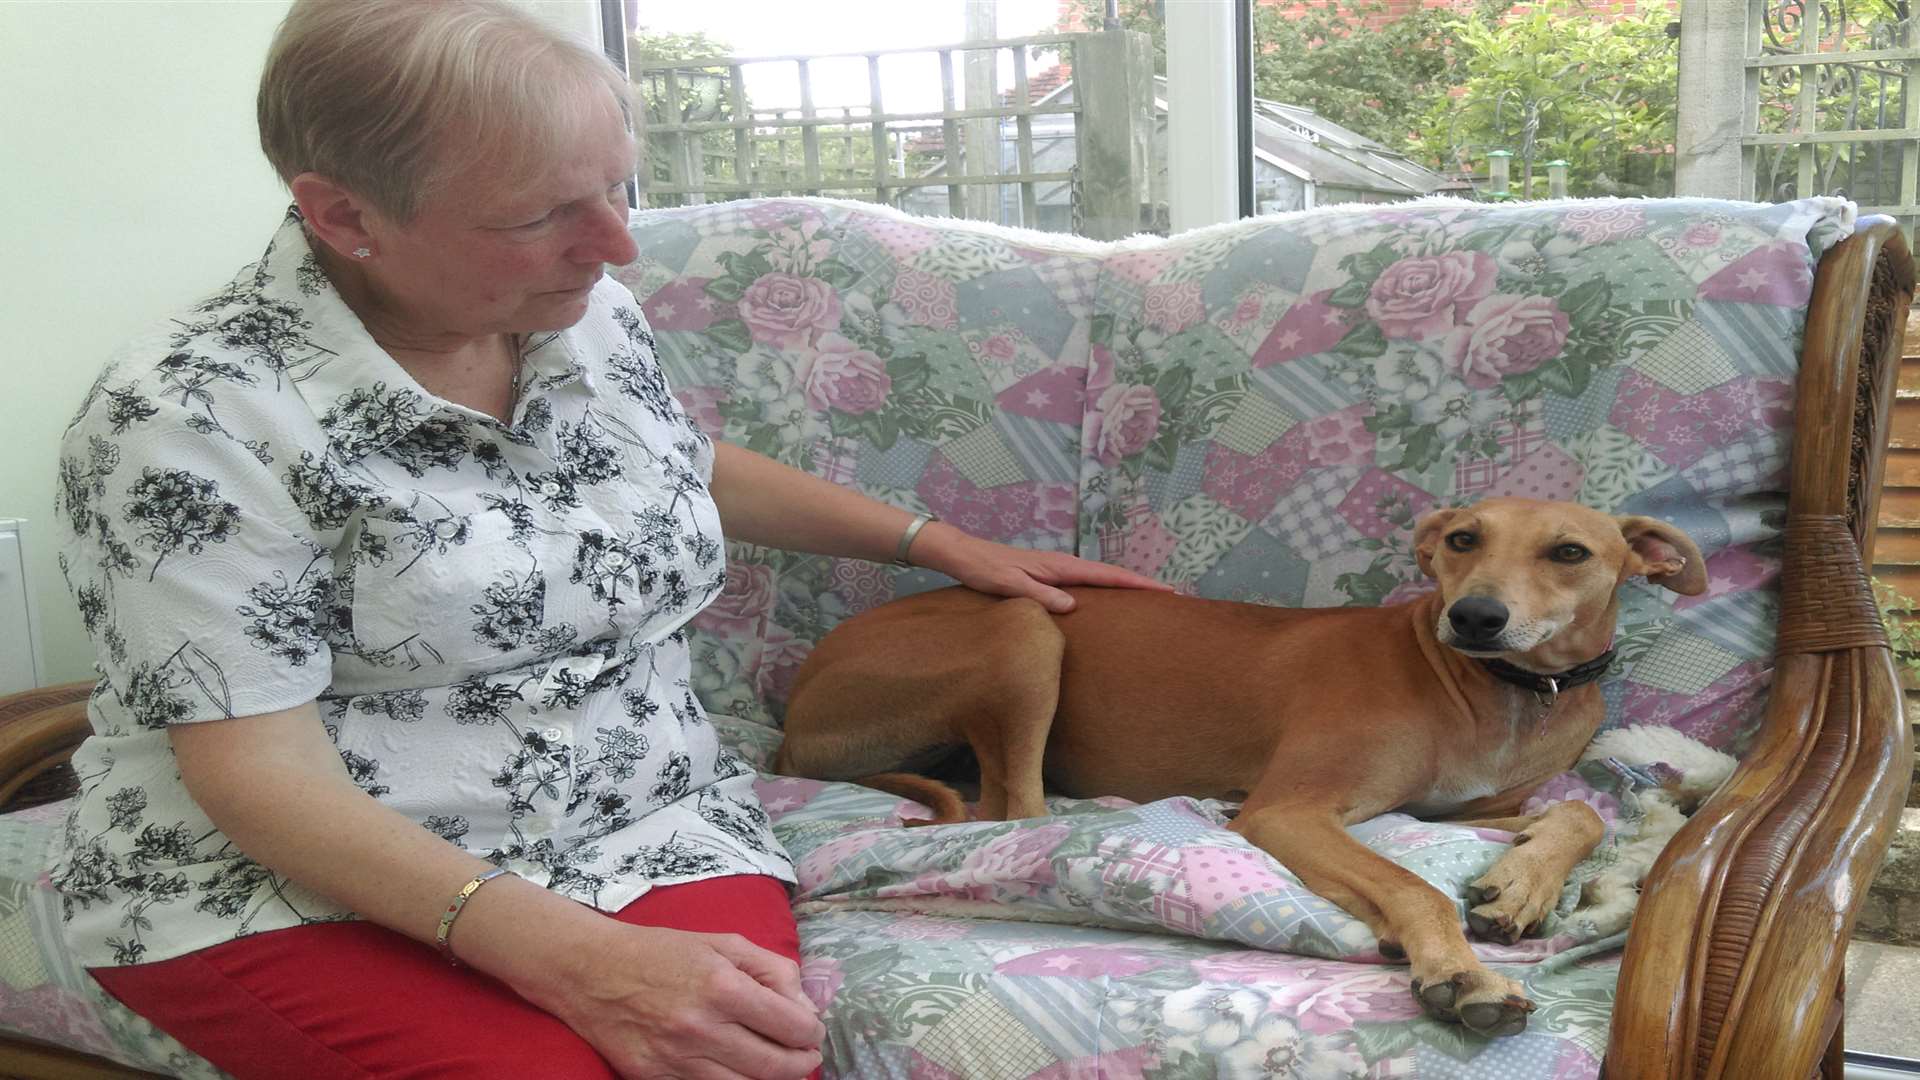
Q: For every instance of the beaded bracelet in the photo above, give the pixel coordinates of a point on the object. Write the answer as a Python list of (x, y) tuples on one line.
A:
[(453, 910)]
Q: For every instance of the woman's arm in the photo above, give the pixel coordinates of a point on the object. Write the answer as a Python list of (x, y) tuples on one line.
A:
[(650, 1000), (764, 502)]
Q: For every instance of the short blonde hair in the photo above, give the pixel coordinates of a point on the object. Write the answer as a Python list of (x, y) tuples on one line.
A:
[(390, 98)]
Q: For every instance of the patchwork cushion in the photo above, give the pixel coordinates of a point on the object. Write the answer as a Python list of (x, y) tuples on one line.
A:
[(1365, 365), (1257, 411), (44, 995), (938, 368)]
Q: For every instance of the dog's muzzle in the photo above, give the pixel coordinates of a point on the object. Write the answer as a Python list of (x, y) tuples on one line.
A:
[(1477, 623)]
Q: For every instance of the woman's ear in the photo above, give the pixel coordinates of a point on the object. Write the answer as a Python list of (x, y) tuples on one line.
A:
[(335, 216)]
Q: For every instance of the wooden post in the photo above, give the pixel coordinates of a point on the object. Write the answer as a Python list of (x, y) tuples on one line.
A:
[(1023, 100), (683, 158), (982, 133), (643, 161), (874, 108), (1805, 109), (950, 131), (742, 132), (1718, 98), (1910, 118), (810, 134), (1113, 86)]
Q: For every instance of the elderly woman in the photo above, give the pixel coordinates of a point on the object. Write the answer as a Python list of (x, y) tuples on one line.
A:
[(387, 547)]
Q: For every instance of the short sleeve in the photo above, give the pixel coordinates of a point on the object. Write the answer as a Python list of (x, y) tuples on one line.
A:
[(205, 588)]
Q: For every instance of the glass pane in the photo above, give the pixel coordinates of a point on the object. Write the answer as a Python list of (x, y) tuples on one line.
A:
[(1823, 100), (890, 102)]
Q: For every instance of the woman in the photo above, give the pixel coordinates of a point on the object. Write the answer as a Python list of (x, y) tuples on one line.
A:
[(387, 547)]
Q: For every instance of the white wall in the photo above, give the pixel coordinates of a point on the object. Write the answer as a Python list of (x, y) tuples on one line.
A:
[(131, 182)]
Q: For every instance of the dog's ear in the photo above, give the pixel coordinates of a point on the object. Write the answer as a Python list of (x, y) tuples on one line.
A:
[(1667, 556), (1426, 537)]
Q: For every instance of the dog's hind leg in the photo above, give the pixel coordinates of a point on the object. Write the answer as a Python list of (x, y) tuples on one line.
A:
[(883, 697), (1017, 692)]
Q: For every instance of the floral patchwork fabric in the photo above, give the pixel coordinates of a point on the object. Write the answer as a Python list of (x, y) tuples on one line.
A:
[(934, 368), (266, 510), (1121, 940), (1342, 373), (1257, 411)]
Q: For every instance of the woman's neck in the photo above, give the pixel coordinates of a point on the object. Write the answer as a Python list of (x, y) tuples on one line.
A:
[(476, 371)]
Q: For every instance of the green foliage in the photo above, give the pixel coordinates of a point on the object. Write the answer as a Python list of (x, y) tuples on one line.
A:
[(1557, 80), (1902, 617), (1449, 85), (704, 95), (1346, 61), (1847, 97)]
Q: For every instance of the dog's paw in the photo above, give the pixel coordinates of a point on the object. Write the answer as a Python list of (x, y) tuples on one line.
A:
[(1510, 903), (1484, 1002)]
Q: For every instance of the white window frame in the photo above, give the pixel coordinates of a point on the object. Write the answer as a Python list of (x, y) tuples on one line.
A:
[(1206, 161)]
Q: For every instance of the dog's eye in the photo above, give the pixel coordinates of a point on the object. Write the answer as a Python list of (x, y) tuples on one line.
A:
[(1570, 553), (1462, 541)]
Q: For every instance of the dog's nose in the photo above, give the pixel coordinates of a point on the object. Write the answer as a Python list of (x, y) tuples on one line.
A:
[(1477, 618)]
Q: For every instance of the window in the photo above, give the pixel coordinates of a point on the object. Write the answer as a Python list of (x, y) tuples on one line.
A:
[(986, 110)]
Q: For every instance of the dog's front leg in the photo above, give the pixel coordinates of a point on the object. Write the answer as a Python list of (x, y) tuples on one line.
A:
[(1449, 982), (1515, 896)]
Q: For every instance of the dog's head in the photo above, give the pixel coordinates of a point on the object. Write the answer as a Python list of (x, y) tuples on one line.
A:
[(1521, 576)]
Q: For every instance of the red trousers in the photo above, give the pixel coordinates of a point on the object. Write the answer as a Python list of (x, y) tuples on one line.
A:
[(353, 1001)]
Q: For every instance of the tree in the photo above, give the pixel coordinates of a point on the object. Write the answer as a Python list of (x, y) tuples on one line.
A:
[(704, 95), (1555, 81), (1349, 61), (1568, 79)]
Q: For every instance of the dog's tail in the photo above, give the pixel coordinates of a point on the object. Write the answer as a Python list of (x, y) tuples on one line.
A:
[(947, 806)]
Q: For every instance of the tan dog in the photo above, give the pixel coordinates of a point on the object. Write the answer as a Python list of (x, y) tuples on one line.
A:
[(1316, 718)]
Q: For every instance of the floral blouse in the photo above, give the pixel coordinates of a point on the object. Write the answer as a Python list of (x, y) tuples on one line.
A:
[(266, 510)]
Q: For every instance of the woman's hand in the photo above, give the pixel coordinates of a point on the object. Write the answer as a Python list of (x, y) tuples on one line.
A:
[(669, 1003), (1000, 570)]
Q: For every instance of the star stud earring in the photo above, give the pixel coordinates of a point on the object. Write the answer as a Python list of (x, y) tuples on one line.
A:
[(362, 253)]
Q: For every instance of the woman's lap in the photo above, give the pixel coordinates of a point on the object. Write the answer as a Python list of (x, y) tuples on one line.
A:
[(354, 1000)]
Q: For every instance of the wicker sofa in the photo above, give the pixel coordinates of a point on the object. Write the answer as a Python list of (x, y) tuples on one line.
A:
[(1257, 411)]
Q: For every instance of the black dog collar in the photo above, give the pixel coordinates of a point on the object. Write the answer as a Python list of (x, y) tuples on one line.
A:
[(1549, 687)]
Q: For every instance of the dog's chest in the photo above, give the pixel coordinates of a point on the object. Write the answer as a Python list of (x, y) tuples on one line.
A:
[(1516, 745)]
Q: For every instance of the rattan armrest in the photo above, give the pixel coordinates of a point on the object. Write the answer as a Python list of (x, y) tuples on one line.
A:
[(39, 730), (1734, 962)]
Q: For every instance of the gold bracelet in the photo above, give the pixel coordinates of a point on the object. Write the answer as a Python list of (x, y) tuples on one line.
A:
[(453, 911), (906, 538)]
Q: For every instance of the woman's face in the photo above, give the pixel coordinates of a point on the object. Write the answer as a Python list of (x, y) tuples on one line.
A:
[(487, 255)]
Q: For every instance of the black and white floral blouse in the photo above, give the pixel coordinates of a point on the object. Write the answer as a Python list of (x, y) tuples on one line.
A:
[(265, 510)]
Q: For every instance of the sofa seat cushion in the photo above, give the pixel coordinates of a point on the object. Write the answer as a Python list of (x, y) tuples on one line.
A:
[(44, 995), (1110, 939), (927, 996)]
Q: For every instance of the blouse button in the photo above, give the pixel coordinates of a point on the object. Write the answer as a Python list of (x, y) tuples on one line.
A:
[(554, 734), (550, 487)]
